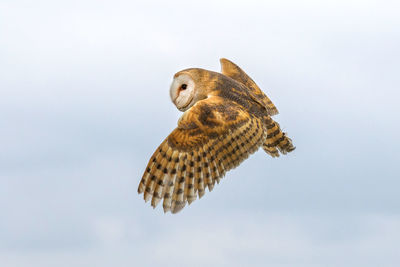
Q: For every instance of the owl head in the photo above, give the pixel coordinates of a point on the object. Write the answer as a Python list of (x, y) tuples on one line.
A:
[(189, 86)]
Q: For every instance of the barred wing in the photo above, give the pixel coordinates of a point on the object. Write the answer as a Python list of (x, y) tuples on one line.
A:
[(212, 137)]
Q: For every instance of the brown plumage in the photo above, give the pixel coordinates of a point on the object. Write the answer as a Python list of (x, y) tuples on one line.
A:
[(227, 117)]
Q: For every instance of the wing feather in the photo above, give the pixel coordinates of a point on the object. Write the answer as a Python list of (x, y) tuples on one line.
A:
[(206, 169), (169, 180), (199, 179), (189, 184)]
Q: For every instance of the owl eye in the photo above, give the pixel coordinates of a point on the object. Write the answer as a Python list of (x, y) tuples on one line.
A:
[(183, 86)]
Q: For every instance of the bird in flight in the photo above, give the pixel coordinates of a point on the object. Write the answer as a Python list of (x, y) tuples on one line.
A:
[(226, 118)]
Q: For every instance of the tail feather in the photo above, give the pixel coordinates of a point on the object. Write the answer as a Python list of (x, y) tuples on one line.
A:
[(276, 141)]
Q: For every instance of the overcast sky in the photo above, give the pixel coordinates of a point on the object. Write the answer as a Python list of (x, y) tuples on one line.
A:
[(84, 103)]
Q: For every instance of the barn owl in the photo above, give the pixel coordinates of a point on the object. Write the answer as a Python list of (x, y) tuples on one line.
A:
[(226, 118)]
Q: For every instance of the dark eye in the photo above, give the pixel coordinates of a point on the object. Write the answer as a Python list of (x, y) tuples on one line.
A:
[(183, 86)]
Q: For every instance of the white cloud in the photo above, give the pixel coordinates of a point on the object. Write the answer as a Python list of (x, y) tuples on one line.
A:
[(84, 101), (254, 239)]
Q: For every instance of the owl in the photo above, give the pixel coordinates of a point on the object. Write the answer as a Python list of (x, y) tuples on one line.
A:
[(226, 118)]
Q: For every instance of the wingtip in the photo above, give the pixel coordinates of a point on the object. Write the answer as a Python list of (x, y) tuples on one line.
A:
[(146, 197), (226, 61), (178, 207), (155, 201), (140, 188)]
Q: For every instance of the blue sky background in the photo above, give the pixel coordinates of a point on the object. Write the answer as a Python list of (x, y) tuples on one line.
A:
[(84, 103)]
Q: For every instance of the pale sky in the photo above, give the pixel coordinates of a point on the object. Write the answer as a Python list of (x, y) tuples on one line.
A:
[(84, 103)]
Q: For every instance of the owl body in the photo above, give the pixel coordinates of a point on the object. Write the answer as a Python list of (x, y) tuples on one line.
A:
[(226, 118)]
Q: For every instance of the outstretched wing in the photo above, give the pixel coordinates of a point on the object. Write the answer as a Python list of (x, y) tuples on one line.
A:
[(212, 137), (231, 70)]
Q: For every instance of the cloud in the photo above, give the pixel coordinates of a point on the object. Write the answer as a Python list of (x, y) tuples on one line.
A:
[(254, 239), (84, 103)]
